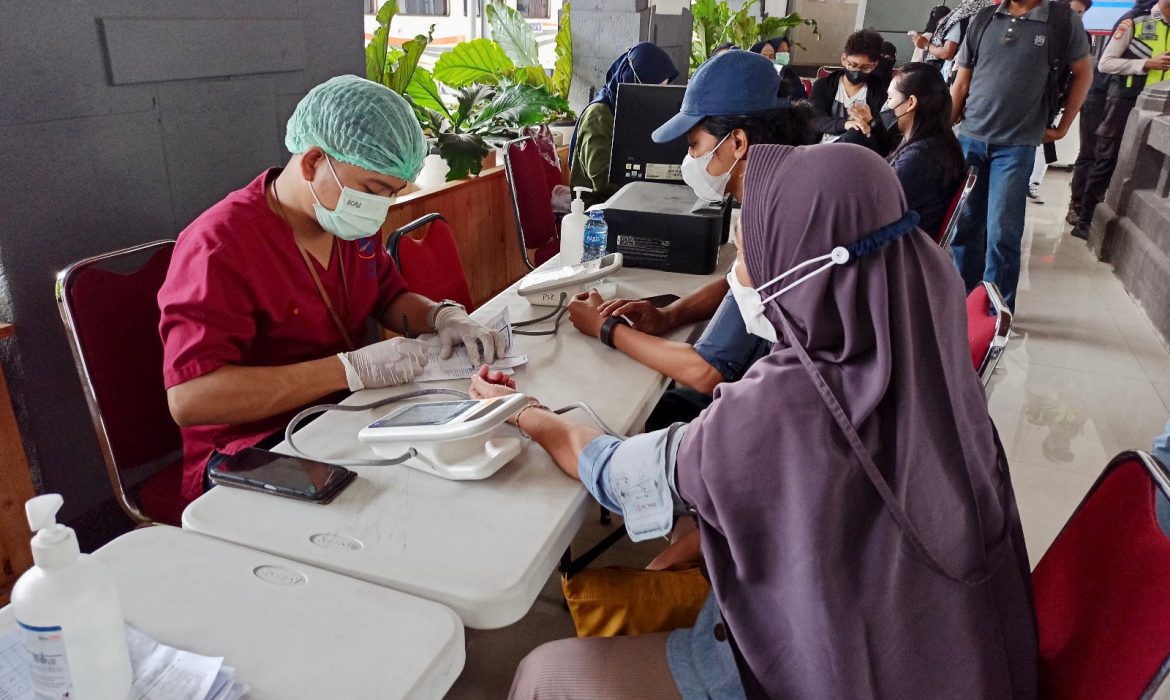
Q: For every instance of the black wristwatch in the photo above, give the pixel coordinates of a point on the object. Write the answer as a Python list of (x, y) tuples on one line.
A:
[(606, 334)]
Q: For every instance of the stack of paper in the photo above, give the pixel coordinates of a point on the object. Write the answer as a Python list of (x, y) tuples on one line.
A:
[(160, 672), (459, 365)]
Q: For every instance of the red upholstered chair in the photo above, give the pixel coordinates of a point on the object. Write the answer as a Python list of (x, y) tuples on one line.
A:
[(431, 265), (988, 324), (823, 72), (950, 224), (1102, 606), (531, 164), (110, 309), (807, 86)]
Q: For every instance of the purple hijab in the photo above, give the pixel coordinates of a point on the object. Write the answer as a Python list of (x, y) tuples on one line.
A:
[(858, 521)]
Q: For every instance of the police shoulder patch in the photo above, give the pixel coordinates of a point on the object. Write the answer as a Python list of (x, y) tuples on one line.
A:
[(1122, 28)]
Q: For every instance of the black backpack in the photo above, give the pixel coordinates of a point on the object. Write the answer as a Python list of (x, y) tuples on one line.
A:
[(1059, 34)]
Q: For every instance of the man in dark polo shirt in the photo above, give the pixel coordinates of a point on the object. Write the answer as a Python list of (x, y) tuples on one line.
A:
[(1001, 95)]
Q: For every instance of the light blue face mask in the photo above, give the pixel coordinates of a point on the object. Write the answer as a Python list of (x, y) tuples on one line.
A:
[(357, 214)]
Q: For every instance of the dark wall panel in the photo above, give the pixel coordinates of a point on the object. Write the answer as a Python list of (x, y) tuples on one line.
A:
[(94, 166)]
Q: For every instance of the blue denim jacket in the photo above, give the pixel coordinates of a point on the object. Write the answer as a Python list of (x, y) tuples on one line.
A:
[(727, 346)]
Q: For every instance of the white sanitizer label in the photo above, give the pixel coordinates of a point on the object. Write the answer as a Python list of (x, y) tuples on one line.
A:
[(47, 667)]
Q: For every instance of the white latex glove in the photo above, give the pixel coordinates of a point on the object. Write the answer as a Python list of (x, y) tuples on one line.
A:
[(454, 326), (390, 362)]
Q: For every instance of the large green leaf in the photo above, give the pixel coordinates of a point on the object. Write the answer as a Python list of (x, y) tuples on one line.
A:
[(533, 75), (511, 31), (710, 20), (475, 61), (407, 64), (517, 104), (562, 77), (464, 154), (387, 12), (424, 92), (376, 51)]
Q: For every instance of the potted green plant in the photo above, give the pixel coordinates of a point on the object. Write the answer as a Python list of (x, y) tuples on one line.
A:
[(716, 23), (481, 117), (518, 42), (390, 65)]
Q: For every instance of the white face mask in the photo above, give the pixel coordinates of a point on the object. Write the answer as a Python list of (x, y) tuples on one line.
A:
[(751, 304), (751, 307), (357, 214), (707, 187)]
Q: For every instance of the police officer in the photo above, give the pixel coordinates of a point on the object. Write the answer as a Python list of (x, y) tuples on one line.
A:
[(1139, 53)]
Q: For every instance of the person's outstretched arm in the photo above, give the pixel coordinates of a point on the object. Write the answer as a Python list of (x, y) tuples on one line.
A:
[(679, 361), (644, 464)]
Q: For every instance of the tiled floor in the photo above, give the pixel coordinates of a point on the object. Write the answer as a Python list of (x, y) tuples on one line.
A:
[(1085, 377)]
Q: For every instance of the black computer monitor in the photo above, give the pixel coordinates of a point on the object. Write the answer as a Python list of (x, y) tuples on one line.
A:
[(640, 110)]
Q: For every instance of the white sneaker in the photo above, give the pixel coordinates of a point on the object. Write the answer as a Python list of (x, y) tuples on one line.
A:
[(1034, 193)]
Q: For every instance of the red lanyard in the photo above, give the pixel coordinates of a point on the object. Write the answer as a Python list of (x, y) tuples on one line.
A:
[(325, 295)]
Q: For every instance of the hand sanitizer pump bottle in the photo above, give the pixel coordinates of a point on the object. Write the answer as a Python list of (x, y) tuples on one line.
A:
[(573, 230), (69, 616)]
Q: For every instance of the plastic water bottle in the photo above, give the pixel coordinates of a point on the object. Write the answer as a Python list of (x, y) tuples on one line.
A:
[(596, 236)]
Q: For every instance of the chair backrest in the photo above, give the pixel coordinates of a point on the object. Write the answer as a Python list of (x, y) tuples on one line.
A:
[(989, 323), (1100, 590), (430, 264), (109, 305), (532, 174), (950, 224), (823, 72), (807, 86)]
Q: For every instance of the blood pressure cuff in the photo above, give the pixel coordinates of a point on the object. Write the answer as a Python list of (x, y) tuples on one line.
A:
[(633, 477)]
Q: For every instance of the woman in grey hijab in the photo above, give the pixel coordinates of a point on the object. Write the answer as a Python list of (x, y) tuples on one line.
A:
[(857, 517)]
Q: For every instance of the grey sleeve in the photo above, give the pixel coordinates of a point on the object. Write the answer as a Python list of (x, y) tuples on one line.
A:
[(963, 58), (1112, 59), (1078, 44)]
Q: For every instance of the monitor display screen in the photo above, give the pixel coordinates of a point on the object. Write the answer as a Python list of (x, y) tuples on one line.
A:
[(435, 413), (1104, 14), (640, 110)]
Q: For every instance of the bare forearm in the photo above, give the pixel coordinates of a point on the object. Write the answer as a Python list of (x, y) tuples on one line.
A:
[(946, 52), (959, 94), (560, 437), (679, 361), (408, 310), (699, 305), (233, 394)]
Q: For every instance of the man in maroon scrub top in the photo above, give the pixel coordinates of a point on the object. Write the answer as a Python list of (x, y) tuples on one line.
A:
[(265, 303)]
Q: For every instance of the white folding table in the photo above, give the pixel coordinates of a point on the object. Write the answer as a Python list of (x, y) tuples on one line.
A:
[(484, 548), (290, 630)]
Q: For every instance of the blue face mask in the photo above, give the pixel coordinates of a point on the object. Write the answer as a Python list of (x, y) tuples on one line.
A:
[(357, 214)]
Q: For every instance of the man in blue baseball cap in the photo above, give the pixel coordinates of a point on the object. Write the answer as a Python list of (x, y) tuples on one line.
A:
[(730, 104)]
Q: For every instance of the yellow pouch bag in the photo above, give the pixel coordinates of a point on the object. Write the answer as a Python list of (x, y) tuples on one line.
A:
[(616, 600)]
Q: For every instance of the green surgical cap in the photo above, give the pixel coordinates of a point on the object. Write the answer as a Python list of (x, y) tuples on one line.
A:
[(362, 123)]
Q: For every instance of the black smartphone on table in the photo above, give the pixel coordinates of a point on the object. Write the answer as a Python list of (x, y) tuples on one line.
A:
[(282, 475), (661, 300)]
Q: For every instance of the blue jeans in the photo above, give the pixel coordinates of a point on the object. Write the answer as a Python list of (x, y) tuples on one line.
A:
[(991, 224), (1162, 446)]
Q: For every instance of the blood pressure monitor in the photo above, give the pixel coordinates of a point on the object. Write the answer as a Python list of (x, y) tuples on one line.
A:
[(451, 439), (544, 287)]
